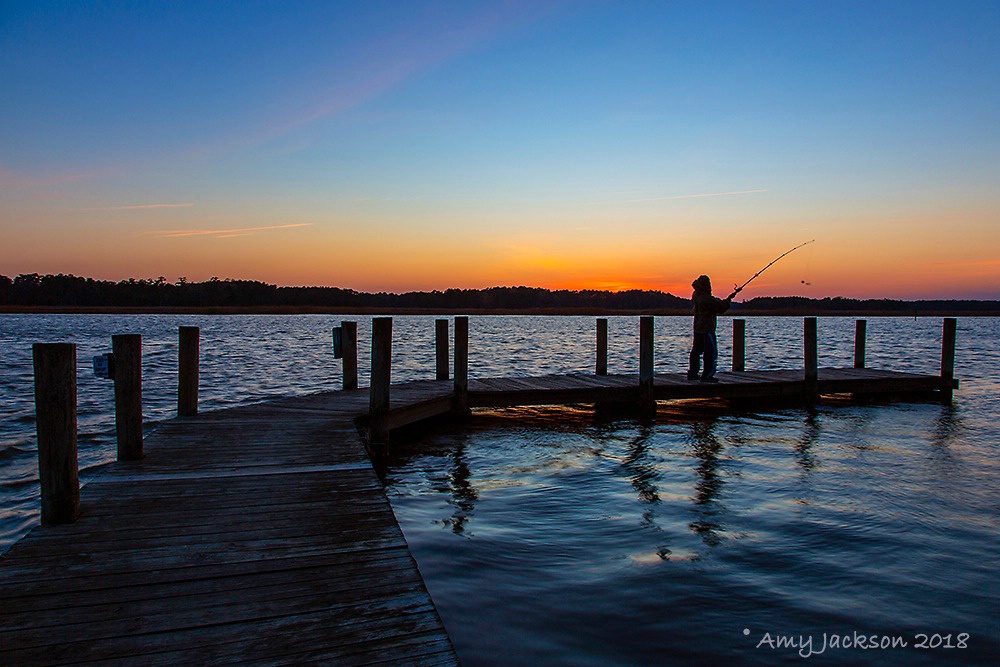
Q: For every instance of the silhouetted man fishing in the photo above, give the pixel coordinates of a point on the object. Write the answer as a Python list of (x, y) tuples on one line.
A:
[(706, 310)]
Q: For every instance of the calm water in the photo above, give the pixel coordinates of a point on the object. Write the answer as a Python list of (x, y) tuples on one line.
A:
[(552, 537)]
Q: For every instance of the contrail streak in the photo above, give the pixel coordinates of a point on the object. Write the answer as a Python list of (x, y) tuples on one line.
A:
[(137, 206), (225, 233), (706, 194)]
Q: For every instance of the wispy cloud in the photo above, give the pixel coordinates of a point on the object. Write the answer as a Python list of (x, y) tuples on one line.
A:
[(697, 196), (434, 37), (15, 180), (138, 206), (225, 233)]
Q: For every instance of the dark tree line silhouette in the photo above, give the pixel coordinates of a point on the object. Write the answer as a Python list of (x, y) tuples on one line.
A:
[(68, 291)]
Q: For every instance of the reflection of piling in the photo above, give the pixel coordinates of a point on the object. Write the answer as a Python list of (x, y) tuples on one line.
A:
[(602, 346), (461, 401), (127, 351), (739, 345), (187, 372), (646, 400), (381, 378), (811, 358), (860, 334), (55, 422), (948, 358), (441, 348)]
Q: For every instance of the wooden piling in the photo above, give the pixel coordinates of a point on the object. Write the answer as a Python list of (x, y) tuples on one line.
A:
[(811, 357), (860, 334), (461, 404), (349, 346), (948, 338), (187, 376), (55, 423), (646, 399), (127, 350), (602, 346), (441, 348), (739, 345), (381, 379)]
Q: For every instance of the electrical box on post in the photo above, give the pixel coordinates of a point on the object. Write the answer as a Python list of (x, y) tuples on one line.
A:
[(104, 366)]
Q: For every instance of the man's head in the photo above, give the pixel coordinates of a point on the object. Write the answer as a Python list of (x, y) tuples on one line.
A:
[(702, 284)]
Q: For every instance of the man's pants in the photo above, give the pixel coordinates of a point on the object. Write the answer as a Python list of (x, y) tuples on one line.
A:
[(704, 344)]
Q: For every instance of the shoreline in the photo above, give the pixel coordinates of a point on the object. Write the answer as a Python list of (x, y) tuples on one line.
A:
[(596, 312)]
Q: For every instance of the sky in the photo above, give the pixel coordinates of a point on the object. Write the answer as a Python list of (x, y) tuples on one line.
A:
[(399, 146)]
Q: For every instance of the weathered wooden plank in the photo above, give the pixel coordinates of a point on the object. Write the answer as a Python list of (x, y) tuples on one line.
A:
[(419, 411), (185, 605), (346, 523), (257, 635), (357, 582), (51, 579)]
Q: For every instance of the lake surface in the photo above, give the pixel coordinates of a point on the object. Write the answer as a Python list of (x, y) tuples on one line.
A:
[(551, 536)]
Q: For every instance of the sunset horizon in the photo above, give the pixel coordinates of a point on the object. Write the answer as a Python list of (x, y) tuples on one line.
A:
[(766, 290), (557, 145)]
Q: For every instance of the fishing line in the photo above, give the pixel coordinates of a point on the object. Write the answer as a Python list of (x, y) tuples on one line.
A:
[(770, 264), (807, 281)]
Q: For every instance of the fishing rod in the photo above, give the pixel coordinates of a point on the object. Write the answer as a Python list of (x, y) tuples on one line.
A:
[(740, 288)]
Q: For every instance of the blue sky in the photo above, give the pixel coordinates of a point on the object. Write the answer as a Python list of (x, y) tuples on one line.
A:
[(564, 144)]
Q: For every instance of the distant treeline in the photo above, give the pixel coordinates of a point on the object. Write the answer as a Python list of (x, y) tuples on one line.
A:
[(68, 291)]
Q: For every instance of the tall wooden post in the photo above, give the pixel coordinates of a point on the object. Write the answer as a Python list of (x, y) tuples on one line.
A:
[(948, 358), (55, 424), (378, 401), (646, 400), (811, 357), (349, 346), (441, 348), (860, 334), (127, 350), (461, 366), (602, 346), (187, 377), (739, 345)]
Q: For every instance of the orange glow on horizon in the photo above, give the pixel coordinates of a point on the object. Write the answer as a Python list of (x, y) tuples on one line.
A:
[(914, 258)]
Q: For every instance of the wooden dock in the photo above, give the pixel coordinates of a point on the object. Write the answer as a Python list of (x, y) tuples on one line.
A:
[(261, 534), (748, 386), (256, 535)]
